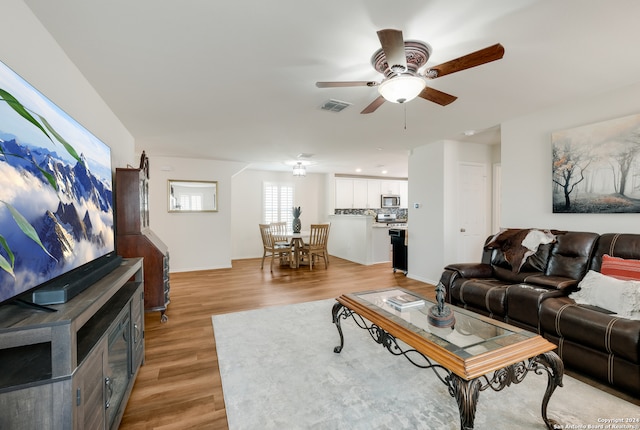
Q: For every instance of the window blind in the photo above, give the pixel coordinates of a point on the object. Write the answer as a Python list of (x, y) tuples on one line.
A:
[(278, 202)]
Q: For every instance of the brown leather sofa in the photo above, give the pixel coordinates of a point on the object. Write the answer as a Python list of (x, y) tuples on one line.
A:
[(590, 340)]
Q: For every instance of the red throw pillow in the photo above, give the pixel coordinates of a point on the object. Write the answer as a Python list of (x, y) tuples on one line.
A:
[(620, 268)]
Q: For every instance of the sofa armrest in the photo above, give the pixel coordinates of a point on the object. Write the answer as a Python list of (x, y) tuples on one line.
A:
[(471, 270), (553, 282)]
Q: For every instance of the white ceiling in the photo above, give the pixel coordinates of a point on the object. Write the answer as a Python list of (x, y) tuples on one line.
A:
[(235, 80)]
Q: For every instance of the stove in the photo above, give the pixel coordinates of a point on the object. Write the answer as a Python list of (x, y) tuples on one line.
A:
[(390, 220)]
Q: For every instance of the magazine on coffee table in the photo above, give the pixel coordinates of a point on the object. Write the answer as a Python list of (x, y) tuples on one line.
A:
[(405, 301)]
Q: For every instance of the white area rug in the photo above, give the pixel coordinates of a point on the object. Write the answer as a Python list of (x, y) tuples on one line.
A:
[(279, 371)]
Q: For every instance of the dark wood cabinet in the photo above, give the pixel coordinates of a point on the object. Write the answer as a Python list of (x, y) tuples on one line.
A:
[(74, 369), (136, 239)]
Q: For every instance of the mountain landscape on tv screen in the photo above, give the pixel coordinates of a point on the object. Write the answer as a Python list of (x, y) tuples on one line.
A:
[(73, 223)]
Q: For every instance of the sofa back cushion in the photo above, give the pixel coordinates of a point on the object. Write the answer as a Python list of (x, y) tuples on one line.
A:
[(571, 254), (616, 245)]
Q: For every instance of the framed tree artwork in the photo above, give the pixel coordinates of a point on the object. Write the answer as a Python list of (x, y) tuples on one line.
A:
[(596, 167)]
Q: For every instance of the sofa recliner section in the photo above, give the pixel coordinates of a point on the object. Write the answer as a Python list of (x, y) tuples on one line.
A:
[(484, 287), (590, 340)]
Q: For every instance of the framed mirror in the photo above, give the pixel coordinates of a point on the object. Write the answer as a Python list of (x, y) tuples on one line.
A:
[(193, 196)]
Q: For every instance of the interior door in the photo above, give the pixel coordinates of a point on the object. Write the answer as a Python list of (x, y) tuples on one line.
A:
[(472, 210)]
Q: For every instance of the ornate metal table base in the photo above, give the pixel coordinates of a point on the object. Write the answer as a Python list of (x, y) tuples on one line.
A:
[(466, 392)]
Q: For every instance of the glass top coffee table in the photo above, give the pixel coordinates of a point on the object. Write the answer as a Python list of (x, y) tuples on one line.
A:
[(468, 352)]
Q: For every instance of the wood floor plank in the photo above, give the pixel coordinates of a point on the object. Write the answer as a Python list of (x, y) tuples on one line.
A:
[(179, 384)]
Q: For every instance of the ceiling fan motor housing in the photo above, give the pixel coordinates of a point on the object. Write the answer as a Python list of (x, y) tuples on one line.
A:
[(417, 53)]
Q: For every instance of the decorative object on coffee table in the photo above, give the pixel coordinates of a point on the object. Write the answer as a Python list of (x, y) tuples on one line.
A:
[(441, 315), (297, 225)]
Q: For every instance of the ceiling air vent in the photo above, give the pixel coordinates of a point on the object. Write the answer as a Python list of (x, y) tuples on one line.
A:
[(334, 105)]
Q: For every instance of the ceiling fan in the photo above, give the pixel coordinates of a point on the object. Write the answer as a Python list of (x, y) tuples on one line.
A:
[(400, 62)]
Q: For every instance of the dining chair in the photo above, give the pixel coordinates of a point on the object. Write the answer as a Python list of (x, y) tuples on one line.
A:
[(326, 241), (282, 240), (317, 245), (270, 247), (279, 232)]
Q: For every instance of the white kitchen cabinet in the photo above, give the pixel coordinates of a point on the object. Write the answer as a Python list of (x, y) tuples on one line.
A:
[(373, 193), (344, 193), (360, 194), (404, 194), (357, 193), (390, 187)]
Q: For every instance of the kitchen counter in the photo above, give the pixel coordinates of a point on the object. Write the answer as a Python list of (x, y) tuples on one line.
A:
[(359, 238)]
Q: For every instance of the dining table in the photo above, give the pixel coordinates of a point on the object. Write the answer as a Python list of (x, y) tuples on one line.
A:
[(297, 241)]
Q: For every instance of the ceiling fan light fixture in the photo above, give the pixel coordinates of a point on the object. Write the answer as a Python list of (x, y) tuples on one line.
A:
[(299, 169), (401, 89)]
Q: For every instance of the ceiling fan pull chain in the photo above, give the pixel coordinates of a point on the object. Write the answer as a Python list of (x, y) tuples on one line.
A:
[(405, 116)]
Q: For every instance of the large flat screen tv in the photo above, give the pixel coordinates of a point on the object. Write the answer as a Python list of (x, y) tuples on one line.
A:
[(56, 204)]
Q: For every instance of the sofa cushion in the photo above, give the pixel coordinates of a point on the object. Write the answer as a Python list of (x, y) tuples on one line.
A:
[(571, 254), (487, 296), (511, 277), (615, 295), (523, 301), (552, 282), (599, 364), (620, 268), (563, 318), (621, 245)]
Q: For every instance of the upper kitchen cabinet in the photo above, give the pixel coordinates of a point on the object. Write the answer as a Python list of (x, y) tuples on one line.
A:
[(373, 193), (390, 187), (344, 193), (364, 193), (360, 194), (404, 194), (354, 193)]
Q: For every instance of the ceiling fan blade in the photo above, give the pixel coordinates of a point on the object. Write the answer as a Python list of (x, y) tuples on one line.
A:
[(374, 105), (393, 47), (437, 96), (346, 84), (477, 58)]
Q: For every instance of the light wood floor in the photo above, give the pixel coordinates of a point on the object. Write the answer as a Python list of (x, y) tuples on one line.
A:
[(179, 385)]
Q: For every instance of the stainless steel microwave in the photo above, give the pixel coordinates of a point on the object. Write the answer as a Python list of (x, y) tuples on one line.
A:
[(389, 201)]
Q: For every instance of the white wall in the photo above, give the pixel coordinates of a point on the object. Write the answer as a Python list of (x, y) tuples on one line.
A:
[(196, 241), (201, 241), (426, 233), (309, 194), (526, 181), (433, 228), (527, 158), (31, 52)]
